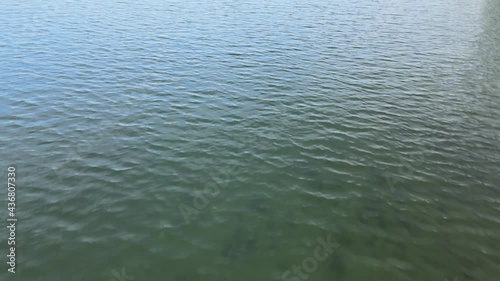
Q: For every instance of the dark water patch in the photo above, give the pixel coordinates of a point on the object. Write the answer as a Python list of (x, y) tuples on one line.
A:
[(242, 242), (240, 247), (344, 239), (337, 265), (259, 205)]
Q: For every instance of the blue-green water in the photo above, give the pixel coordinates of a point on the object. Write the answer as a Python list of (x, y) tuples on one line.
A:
[(223, 140)]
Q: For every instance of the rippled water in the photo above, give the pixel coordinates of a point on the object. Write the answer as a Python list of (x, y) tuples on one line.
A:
[(219, 140)]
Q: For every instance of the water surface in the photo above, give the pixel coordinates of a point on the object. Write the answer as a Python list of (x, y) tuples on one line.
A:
[(375, 122)]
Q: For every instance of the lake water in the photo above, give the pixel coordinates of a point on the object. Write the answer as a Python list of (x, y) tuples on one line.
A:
[(231, 140)]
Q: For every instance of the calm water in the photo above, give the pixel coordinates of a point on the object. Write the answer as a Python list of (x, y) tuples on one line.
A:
[(219, 140)]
